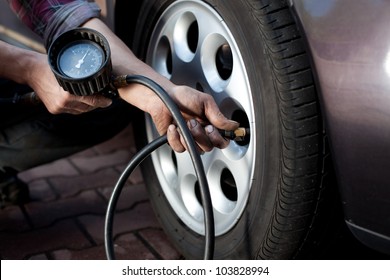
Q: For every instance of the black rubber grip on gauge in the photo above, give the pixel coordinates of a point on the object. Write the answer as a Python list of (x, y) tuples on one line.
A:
[(98, 83)]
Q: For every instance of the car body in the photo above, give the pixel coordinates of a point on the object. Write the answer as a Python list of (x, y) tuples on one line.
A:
[(349, 45)]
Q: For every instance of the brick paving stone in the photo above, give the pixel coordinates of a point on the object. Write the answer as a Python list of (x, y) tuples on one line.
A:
[(158, 240), (92, 253), (60, 167), (12, 220), (94, 225), (92, 164), (40, 190), (70, 186), (123, 140), (129, 247), (64, 234), (86, 153), (44, 214), (130, 195), (135, 177), (39, 257), (138, 218), (121, 167)]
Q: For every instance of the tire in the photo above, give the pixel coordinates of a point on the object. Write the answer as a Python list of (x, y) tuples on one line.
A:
[(266, 190)]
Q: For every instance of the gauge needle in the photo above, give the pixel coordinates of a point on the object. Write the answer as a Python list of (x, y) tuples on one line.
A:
[(81, 61)]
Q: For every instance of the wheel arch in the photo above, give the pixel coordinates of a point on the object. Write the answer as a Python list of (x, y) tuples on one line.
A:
[(125, 20)]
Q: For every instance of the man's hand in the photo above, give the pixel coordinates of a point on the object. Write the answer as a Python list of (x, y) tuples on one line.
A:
[(203, 119), (56, 100), (199, 110)]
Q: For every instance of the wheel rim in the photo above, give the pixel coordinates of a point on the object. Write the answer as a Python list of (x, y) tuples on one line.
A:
[(192, 45)]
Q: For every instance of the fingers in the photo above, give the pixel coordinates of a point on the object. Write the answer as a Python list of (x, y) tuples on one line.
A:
[(96, 101), (174, 139), (206, 138), (84, 104), (216, 138), (200, 137), (216, 118), (75, 105), (200, 105)]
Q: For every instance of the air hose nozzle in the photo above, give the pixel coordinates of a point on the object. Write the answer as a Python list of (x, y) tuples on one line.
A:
[(240, 134)]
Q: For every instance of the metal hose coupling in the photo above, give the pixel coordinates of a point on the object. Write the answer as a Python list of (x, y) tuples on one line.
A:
[(240, 134)]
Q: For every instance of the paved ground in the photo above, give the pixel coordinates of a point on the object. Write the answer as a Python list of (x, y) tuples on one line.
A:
[(65, 218)]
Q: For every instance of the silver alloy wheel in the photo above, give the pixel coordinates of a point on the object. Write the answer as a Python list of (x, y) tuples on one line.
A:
[(192, 45)]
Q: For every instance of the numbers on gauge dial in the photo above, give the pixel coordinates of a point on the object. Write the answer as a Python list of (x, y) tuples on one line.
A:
[(80, 59)]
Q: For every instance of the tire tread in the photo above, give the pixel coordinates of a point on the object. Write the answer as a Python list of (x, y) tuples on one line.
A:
[(299, 187)]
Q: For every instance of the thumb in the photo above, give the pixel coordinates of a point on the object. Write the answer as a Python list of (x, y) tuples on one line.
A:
[(219, 120)]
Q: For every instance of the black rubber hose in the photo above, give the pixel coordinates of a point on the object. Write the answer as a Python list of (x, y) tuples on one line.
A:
[(135, 161), (28, 98), (196, 161)]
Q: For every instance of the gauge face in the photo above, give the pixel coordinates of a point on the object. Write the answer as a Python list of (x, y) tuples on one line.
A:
[(80, 59)]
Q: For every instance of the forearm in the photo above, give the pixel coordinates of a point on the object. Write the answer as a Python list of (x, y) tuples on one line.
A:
[(16, 63), (126, 63)]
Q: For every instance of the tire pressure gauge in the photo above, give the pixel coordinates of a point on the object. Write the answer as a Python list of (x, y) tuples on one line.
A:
[(81, 62)]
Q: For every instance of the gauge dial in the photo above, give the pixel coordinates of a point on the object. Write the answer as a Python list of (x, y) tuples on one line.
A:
[(80, 59)]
